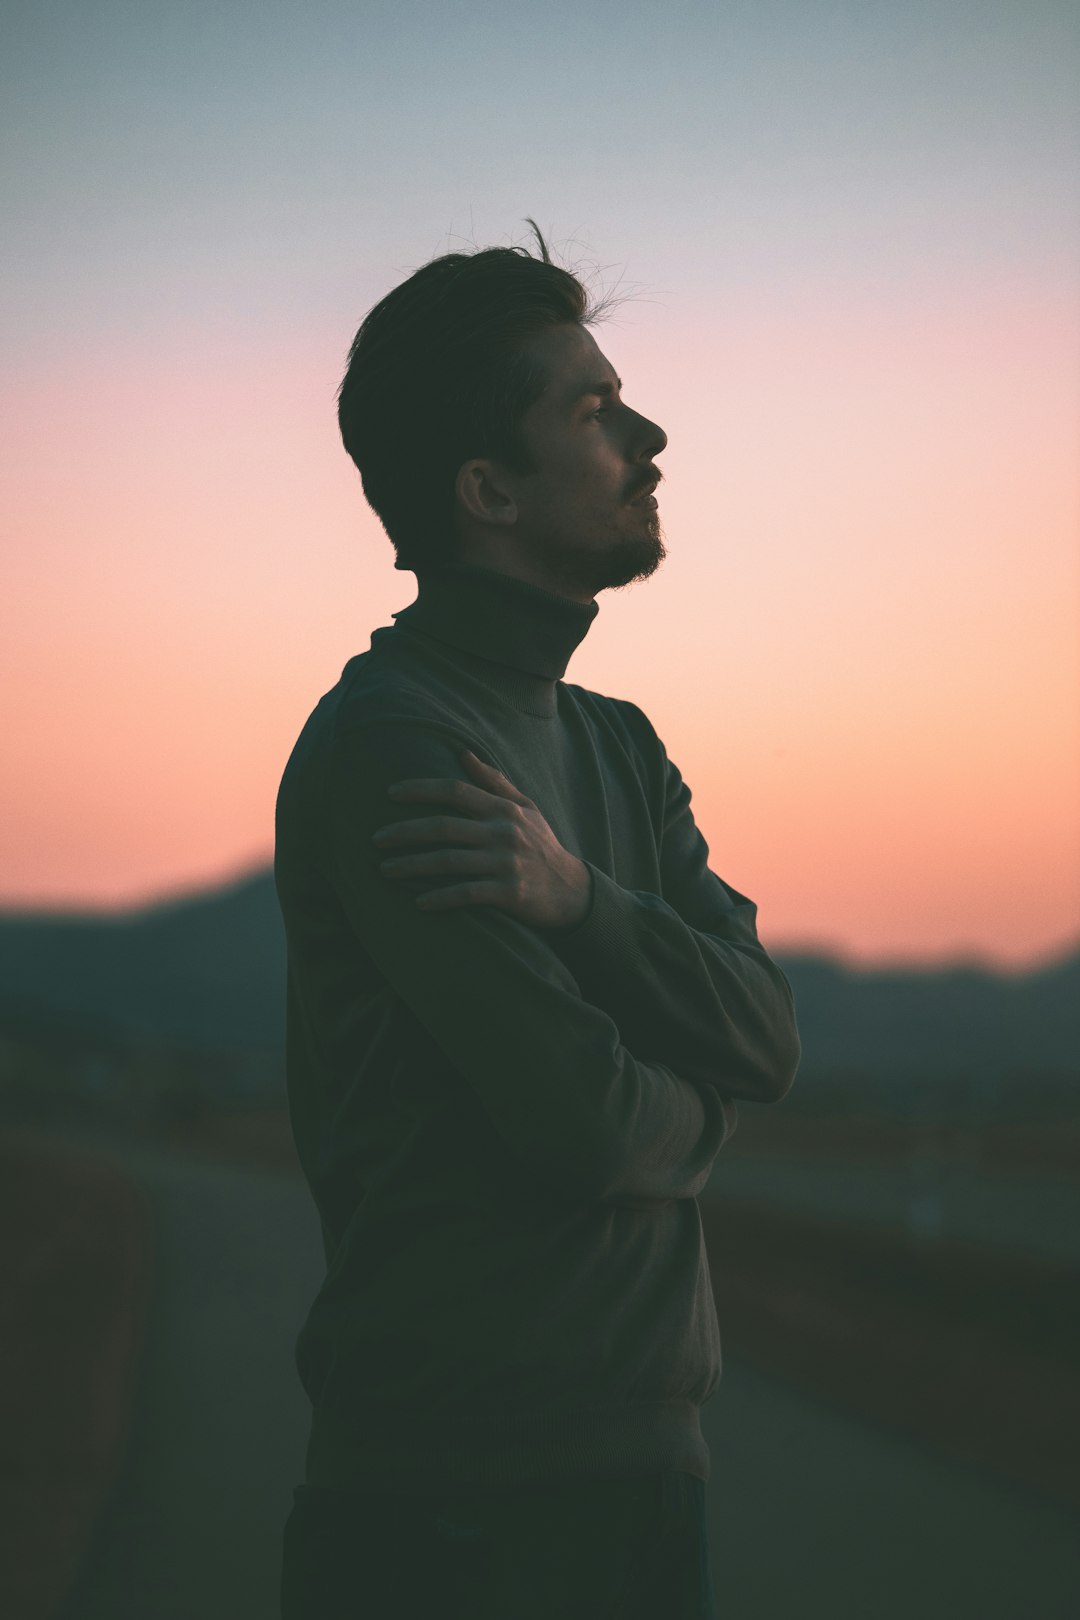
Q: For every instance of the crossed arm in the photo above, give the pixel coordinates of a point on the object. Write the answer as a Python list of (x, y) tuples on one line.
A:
[(606, 1034)]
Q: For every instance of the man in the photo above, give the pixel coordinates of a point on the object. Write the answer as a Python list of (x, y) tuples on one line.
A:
[(514, 1051)]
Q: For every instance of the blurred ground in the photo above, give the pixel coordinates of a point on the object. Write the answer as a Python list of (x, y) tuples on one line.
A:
[(814, 1511), (76, 1242)]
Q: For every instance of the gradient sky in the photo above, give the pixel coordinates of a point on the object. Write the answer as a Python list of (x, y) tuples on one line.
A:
[(851, 234)]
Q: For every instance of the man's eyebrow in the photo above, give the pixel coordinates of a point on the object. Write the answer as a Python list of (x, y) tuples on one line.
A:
[(602, 389)]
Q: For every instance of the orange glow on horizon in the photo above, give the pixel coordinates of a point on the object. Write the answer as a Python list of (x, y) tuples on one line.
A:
[(861, 651)]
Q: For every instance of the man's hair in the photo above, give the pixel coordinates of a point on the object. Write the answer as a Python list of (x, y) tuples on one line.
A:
[(437, 375)]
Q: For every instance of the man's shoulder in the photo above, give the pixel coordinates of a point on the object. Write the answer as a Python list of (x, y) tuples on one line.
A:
[(619, 714), (377, 714), (372, 692), (373, 723)]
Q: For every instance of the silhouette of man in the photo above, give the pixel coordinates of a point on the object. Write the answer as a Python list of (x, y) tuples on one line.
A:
[(521, 1007)]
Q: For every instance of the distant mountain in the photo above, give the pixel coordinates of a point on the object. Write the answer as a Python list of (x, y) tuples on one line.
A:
[(209, 970), (988, 1036)]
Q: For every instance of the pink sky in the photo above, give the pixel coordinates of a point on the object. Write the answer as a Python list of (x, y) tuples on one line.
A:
[(862, 650), (852, 242)]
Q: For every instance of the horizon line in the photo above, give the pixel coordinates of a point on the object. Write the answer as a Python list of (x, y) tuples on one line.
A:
[(134, 910)]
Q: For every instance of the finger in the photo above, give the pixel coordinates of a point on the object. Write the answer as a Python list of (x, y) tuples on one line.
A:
[(497, 780), (430, 829), (459, 861), (469, 797)]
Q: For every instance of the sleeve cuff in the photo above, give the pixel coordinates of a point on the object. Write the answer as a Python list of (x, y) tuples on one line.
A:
[(606, 937)]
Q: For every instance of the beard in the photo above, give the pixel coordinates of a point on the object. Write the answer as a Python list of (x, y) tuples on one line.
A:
[(637, 558), (626, 559)]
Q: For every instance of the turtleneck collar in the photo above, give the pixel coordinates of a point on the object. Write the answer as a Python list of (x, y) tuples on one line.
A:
[(516, 637)]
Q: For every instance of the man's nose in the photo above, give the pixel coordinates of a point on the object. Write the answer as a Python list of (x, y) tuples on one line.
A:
[(650, 437)]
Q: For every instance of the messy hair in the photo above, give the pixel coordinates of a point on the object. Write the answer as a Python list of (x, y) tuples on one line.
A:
[(438, 375)]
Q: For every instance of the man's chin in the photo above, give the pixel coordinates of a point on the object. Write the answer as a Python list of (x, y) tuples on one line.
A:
[(634, 561), (627, 560)]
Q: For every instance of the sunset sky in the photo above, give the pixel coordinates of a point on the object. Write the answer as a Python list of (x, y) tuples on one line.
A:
[(850, 233)]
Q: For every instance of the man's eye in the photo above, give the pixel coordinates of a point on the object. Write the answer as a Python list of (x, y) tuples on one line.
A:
[(601, 411)]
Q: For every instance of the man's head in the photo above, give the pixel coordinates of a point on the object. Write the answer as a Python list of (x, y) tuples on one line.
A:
[(465, 407)]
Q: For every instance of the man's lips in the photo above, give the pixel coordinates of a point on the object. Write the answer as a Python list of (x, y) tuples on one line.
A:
[(646, 494)]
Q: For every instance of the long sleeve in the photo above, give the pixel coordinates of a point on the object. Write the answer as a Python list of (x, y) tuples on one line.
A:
[(683, 973), (562, 1090)]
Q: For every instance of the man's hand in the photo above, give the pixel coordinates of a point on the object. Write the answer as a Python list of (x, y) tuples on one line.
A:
[(507, 854)]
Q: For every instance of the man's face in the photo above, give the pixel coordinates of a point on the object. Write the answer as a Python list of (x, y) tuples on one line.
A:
[(577, 530)]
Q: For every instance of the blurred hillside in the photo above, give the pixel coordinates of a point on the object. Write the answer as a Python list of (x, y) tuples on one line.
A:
[(184, 1001)]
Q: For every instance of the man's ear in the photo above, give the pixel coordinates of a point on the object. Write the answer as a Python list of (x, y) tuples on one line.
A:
[(481, 494)]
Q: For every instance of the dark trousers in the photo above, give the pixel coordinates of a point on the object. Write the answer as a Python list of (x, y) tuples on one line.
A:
[(604, 1549)]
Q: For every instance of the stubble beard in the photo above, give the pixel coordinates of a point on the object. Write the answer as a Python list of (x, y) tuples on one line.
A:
[(629, 558), (636, 558)]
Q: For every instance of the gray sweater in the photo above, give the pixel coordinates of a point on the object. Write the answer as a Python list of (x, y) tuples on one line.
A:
[(505, 1129)]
